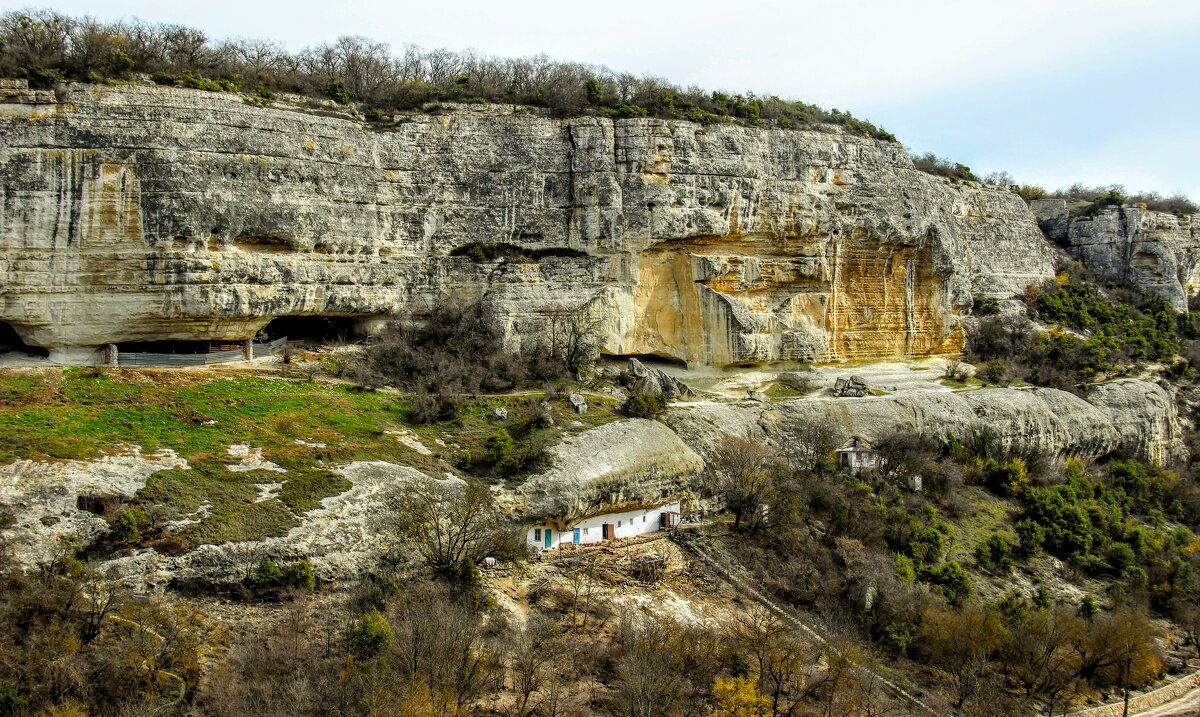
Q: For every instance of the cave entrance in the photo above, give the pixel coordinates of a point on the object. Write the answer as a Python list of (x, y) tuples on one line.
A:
[(176, 347), (312, 330), (11, 342), (650, 360)]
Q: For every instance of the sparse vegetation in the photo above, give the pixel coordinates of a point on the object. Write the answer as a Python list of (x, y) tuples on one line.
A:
[(48, 47), (1095, 333), (930, 163)]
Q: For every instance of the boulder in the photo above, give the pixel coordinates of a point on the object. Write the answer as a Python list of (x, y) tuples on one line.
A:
[(640, 378), (578, 402)]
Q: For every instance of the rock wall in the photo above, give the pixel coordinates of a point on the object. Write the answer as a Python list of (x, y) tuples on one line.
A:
[(1132, 417), (1148, 251), (138, 213)]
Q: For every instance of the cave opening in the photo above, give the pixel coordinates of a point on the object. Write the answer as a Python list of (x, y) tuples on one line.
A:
[(650, 360), (11, 342), (312, 329), (176, 347)]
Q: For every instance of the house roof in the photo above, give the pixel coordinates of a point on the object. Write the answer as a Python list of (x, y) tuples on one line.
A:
[(855, 444)]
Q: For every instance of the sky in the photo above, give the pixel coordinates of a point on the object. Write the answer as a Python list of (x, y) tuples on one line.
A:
[(1052, 91)]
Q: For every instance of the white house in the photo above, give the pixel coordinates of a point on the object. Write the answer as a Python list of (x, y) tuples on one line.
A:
[(605, 526), (857, 455)]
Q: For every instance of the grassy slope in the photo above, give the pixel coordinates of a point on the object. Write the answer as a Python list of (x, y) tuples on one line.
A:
[(73, 414)]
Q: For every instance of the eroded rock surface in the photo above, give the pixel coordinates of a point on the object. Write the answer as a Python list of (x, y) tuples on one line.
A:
[(623, 463), (1135, 417), (45, 501), (1148, 251), (146, 213)]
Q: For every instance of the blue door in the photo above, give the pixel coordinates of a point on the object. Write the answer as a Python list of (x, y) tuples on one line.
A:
[(577, 536), (548, 532)]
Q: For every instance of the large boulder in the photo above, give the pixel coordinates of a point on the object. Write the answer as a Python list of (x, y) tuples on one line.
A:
[(640, 378), (628, 462)]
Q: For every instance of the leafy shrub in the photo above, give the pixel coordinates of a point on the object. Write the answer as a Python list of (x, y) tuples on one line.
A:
[(1056, 509), (1010, 478), (952, 580), (499, 447), (338, 92), (642, 404), (995, 553), (1031, 537), (995, 372), (10, 700), (300, 575), (370, 635), (930, 163), (129, 524), (267, 573)]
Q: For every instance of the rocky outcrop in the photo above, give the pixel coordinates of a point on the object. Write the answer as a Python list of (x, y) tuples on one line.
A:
[(640, 378), (619, 464), (1145, 250), (45, 501), (1132, 417), (138, 213)]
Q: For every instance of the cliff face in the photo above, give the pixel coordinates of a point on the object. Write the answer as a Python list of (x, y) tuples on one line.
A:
[(144, 213), (1149, 251), (1130, 417)]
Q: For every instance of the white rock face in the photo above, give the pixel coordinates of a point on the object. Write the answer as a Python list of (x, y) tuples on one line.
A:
[(1149, 251), (1130, 416), (631, 461), (145, 213), (43, 498)]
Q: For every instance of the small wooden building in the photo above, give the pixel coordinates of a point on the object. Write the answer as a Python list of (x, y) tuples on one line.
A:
[(857, 455)]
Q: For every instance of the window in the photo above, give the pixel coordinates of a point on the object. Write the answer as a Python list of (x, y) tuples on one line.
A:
[(619, 524), (585, 531), (643, 519), (537, 533)]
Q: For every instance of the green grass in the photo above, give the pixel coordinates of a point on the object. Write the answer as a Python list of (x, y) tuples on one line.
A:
[(77, 414), (780, 391)]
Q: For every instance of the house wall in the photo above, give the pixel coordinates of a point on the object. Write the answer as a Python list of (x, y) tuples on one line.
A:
[(859, 459), (627, 524)]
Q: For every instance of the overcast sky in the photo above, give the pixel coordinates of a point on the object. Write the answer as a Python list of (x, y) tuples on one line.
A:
[(1054, 91)]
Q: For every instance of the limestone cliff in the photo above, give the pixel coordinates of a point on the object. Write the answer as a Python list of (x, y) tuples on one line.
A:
[(1146, 250), (139, 213), (1129, 417)]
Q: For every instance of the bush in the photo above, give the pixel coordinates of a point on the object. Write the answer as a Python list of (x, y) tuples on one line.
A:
[(499, 447), (930, 163), (641, 404), (1030, 536), (995, 554), (300, 575), (267, 573), (370, 635), (951, 580), (995, 372), (129, 524)]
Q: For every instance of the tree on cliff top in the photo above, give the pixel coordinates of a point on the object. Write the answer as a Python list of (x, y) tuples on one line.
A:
[(47, 47)]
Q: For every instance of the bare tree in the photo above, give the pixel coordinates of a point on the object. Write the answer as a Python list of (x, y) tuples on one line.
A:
[(573, 339), (744, 473), (448, 522), (531, 656), (963, 643)]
